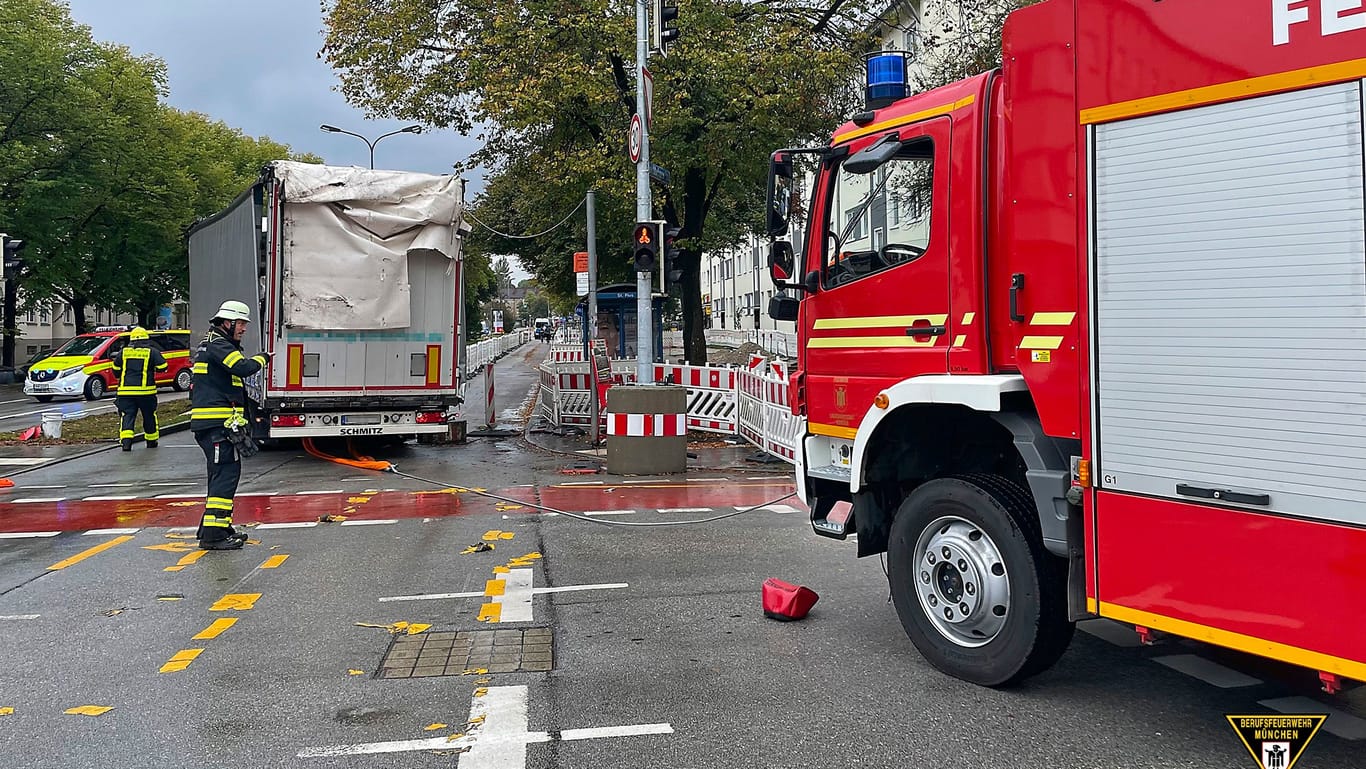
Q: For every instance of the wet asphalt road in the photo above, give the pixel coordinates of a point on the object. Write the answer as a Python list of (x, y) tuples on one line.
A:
[(659, 644), (19, 411)]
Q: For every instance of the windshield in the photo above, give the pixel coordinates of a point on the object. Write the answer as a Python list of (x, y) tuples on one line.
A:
[(881, 219), (82, 345)]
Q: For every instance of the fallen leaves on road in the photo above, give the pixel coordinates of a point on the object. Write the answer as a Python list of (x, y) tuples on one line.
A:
[(357, 500), (433, 727), (195, 503), (495, 535), (6, 711), (355, 672), (331, 518)]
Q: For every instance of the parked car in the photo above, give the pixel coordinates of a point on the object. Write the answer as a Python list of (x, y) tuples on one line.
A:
[(82, 367), (21, 370)]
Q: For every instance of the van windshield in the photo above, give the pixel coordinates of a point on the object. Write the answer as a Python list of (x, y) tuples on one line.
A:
[(82, 345)]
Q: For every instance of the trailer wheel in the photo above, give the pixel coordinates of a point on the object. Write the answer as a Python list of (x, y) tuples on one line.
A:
[(183, 379), (94, 388), (975, 590)]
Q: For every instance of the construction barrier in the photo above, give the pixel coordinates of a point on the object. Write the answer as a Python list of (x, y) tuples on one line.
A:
[(751, 402)]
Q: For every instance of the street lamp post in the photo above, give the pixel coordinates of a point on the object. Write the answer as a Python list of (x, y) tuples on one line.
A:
[(412, 129)]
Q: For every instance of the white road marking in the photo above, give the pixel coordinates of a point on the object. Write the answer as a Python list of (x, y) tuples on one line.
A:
[(31, 500), (1344, 725), (498, 739), (77, 414), (369, 523), (316, 493), (299, 525), (19, 617), (361, 479), (24, 461), (516, 598), (178, 496), (109, 531), (608, 512), (685, 509), (27, 534), (45, 488), (117, 485), (256, 494), (480, 593), (582, 483), (176, 483), (766, 478), (1208, 671), (1111, 631), (182, 529), (110, 499)]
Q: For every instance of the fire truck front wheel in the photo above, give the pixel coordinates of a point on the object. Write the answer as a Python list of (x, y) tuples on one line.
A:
[(974, 587)]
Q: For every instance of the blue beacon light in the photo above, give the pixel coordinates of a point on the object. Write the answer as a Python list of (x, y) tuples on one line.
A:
[(886, 79)]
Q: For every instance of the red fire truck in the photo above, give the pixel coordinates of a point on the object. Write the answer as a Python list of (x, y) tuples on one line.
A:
[(1086, 336)]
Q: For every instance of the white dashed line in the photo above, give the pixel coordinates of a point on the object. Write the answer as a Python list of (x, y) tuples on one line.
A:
[(110, 499), (44, 488), (369, 523), (18, 617), (182, 529), (787, 509), (299, 525), (33, 500), (685, 509), (119, 485), (608, 512), (318, 493), (255, 494), (178, 496), (1205, 670), (582, 483), (157, 484), (28, 534), (1344, 725), (23, 461), (480, 594), (1111, 632), (96, 532)]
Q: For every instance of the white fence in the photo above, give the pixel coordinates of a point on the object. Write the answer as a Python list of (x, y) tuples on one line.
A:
[(781, 343), (750, 402), (488, 351)]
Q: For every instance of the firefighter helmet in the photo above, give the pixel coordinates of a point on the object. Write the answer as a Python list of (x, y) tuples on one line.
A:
[(231, 310), (138, 334)]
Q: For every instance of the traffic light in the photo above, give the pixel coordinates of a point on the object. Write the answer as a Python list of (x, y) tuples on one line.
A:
[(670, 273), (663, 24), (645, 243), (12, 263)]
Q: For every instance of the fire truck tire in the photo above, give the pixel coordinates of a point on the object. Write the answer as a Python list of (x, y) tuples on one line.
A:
[(995, 611)]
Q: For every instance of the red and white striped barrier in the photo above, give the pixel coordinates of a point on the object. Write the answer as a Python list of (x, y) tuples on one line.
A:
[(647, 425)]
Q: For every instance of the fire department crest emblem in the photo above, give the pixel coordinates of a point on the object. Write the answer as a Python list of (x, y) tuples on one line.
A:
[(841, 397), (1276, 742)]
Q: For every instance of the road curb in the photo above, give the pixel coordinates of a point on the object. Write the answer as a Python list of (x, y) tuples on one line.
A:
[(171, 429)]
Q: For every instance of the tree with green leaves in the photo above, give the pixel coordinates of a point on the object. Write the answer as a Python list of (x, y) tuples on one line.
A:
[(551, 87)]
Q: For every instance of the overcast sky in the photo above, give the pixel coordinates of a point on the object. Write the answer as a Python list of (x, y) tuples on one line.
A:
[(253, 64)]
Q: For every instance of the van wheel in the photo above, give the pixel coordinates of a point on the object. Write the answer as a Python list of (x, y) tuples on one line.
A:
[(183, 379), (975, 590), (94, 388)]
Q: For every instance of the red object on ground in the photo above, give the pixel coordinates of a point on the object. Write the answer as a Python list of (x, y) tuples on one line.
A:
[(786, 602), (6, 483)]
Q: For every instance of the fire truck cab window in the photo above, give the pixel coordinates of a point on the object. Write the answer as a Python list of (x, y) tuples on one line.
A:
[(883, 217)]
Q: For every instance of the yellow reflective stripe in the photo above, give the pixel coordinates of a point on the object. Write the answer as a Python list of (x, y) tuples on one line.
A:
[(260, 359), (217, 503), (199, 368), (174, 355), (125, 434), (98, 367), (211, 413), (212, 522), (232, 358), (153, 436), (237, 380)]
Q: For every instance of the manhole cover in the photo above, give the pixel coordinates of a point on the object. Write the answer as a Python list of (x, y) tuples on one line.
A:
[(469, 651)]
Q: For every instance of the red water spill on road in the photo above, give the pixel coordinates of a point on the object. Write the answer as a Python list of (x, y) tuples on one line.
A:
[(79, 515)]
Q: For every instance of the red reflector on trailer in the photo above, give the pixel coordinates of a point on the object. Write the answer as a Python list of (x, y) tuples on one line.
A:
[(287, 420), (785, 602), (430, 417)]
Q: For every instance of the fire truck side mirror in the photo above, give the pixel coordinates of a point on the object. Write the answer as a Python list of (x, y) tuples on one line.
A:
[(783, 307), (780, 261), (779, 193)]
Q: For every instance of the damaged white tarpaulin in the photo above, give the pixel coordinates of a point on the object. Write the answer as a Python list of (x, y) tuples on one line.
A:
[(348, 233)]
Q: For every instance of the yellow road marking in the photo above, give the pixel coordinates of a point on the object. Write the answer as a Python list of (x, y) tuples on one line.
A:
[(242, 601), (216, 629), (495, 587), (274, 562), (96, 550), (172, 547), (88, 710), (490, 612), (181, 660), (187, 560)]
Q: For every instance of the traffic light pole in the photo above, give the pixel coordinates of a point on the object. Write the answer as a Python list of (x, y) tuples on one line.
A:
[(644, 211)]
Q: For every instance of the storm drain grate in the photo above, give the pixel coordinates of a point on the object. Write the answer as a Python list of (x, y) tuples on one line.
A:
[(468, 652)]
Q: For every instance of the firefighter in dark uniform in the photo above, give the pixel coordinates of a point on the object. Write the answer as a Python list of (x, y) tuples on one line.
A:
[(218, 399), (136, 366)]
